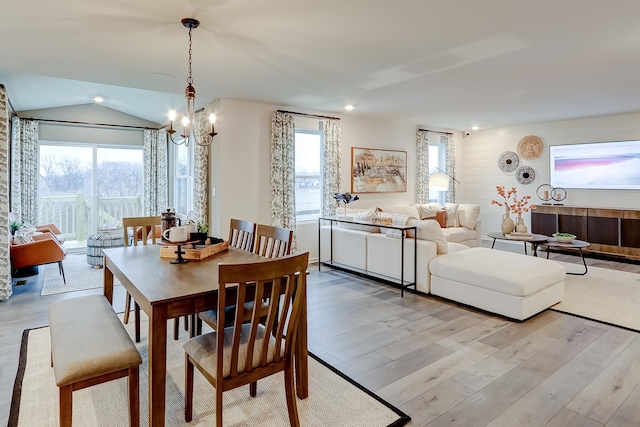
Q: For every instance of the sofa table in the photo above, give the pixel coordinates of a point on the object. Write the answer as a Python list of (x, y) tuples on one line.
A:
[(535, 240), (363, 272)]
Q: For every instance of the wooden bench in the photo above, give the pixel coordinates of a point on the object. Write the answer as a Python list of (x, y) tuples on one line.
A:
[(89, 346)]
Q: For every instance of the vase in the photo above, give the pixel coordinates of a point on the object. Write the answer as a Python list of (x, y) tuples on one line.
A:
[(520, 225), (507, 225)]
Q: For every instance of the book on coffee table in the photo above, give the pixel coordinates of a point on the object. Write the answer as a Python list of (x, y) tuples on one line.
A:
[(517, 235)]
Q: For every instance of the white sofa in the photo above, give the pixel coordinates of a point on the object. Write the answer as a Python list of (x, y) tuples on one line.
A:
[(369, 250)]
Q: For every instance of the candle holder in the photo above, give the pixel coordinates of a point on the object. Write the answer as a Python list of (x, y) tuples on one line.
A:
[(544, 193), (558, 194)]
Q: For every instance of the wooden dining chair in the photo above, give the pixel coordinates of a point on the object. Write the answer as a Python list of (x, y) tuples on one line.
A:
[(143, 229), (242, 234), (272, 242), (246, 352)]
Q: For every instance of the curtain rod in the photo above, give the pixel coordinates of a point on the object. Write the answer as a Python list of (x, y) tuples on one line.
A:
[(13, 110), (71, 122), (436, 131), (308, 115)]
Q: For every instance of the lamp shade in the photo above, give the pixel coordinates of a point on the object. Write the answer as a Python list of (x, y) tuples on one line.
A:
[(439, 182)]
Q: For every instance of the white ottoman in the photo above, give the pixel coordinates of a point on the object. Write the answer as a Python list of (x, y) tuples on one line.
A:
[(506, 283)]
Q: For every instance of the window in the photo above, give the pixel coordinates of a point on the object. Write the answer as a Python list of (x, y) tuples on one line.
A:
[(308, 182), (437, 159), (182, 178)]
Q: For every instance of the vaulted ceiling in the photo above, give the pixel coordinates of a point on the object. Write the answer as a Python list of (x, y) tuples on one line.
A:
[(451, 64)]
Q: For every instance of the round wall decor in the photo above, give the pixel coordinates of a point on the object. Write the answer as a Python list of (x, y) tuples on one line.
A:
[(508, 161), (530, 147), (525, 175)]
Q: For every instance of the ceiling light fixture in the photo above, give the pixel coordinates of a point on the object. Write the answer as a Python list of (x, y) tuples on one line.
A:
[(98, 99), (349, 107), (188, 120), (475, 127)]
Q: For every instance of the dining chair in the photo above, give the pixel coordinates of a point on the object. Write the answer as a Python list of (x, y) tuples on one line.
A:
[(246, 352), (270, 242), (242, 234), (144, 228)]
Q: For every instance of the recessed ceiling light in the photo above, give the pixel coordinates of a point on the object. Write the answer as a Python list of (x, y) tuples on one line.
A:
[(475, 127), (98, 99), (349, 107)]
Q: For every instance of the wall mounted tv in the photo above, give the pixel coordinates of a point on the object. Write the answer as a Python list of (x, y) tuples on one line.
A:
[(598, 165)]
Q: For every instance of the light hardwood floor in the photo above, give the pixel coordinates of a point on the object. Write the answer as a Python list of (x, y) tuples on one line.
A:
[(442, 363)]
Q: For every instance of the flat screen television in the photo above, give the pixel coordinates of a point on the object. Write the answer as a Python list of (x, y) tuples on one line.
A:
[(598, 165)]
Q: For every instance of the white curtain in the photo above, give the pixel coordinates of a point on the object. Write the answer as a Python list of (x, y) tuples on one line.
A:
[(5, 269), (201, 169), (24, 170), (422, 167), (331, 166), (450, 167), (155, 197), (283, 203)]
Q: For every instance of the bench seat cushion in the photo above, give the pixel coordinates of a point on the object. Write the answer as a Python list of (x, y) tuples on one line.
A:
[(88, 340)]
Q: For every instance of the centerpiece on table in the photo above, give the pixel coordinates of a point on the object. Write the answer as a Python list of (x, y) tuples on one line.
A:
[(515, 205)]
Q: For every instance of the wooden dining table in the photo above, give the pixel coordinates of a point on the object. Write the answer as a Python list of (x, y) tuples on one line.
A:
[(165, 291)]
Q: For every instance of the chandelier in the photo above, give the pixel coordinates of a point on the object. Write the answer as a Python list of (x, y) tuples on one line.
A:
[(188, 121)]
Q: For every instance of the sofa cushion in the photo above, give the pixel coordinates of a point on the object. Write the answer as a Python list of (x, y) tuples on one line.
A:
[(429, 229), (409, 210), (468, 215), (351, 211), (458, 234), (452, 214), (433, 211)]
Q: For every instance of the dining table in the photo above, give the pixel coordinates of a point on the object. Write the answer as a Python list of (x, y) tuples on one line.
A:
[(166, 291)]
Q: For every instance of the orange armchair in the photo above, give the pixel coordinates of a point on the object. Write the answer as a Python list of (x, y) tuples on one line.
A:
[(51, 228), (44, 249)]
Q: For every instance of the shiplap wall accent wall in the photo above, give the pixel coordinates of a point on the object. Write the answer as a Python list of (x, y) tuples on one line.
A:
[(480, 173)]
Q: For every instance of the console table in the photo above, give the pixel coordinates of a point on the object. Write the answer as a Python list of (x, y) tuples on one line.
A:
[(609, 231), (365, 273)]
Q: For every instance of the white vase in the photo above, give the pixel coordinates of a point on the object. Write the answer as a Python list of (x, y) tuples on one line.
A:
[(520, 225), (507, 225)]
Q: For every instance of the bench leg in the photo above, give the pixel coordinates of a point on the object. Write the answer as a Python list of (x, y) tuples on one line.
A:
[(66, 405), (134, 397)]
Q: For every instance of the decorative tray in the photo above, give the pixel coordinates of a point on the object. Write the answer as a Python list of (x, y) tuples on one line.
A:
[(197, 253)]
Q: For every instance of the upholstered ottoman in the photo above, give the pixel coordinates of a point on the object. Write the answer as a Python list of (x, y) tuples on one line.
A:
[(510, 284), (105, 238)]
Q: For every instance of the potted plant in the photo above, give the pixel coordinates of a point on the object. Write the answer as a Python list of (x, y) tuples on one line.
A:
[(201, 235), (14, 226)]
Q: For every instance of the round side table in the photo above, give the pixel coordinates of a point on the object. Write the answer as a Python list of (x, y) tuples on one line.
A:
[(97, 242)]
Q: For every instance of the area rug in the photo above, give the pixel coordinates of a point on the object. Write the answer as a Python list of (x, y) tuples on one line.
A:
[(333, 400), (603, 294), (80, 276)]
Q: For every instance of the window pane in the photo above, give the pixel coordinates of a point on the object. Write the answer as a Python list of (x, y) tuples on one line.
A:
[(183, 178), (308, 178), (119, 184)]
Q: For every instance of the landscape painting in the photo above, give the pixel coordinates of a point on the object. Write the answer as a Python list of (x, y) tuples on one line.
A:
[(378, 171)]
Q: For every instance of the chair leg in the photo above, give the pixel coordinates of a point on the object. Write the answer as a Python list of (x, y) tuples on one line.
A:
[(188, 389), (127, 308), (290, 391), (134, 397), (136, 319), (253, 389), (219, 407), (66, 405), (61, 268)]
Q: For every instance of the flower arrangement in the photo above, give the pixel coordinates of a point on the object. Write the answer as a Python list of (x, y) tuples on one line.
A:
[(517, 206)]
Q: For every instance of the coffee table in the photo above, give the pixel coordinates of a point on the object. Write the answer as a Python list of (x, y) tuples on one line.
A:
[(535, 240), (576, 244)]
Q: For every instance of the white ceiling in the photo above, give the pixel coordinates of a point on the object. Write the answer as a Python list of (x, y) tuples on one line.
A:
[(448, 64)]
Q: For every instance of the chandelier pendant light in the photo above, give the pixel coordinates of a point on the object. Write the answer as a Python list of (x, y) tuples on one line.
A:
[(188, 121)]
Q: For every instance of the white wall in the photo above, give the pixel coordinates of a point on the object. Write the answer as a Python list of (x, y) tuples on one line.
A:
[(241, 157), (480, 173)]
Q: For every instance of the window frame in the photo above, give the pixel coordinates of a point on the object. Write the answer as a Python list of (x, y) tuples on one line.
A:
[(174, 176), (320, 133)]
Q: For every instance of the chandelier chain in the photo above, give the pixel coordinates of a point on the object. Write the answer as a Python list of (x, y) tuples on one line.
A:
[(190, 79)]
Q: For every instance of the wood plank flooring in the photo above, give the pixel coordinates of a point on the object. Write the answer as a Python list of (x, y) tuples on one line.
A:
[(442, 363)]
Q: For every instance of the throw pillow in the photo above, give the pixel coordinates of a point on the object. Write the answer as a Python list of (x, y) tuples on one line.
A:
[(429, 229), (468, 215), (21, 238), (441, 217), (452, 214), (426, 211)]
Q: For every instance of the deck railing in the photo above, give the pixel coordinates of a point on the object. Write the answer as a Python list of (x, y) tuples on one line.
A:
[(72, 214)]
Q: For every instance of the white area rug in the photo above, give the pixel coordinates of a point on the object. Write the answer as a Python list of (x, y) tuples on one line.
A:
[(79, 275), (606, 295), (332, 401)]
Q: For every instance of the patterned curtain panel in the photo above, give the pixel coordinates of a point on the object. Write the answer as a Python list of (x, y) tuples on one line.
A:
[(201, 170), (5, 269), (422, 167), (283, 203), (451, 169), (155, 197), (331, 166), (24, 170)]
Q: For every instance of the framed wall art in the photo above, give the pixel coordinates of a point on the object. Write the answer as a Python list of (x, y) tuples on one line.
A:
[(378, 171)]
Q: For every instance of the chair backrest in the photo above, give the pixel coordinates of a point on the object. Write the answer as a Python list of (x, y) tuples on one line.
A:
[(242, 234), (273, 242), (145, 224), (281, 284)]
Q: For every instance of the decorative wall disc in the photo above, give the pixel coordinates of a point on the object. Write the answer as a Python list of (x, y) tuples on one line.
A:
[(508, 161), (530, 147), (525, 175)]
